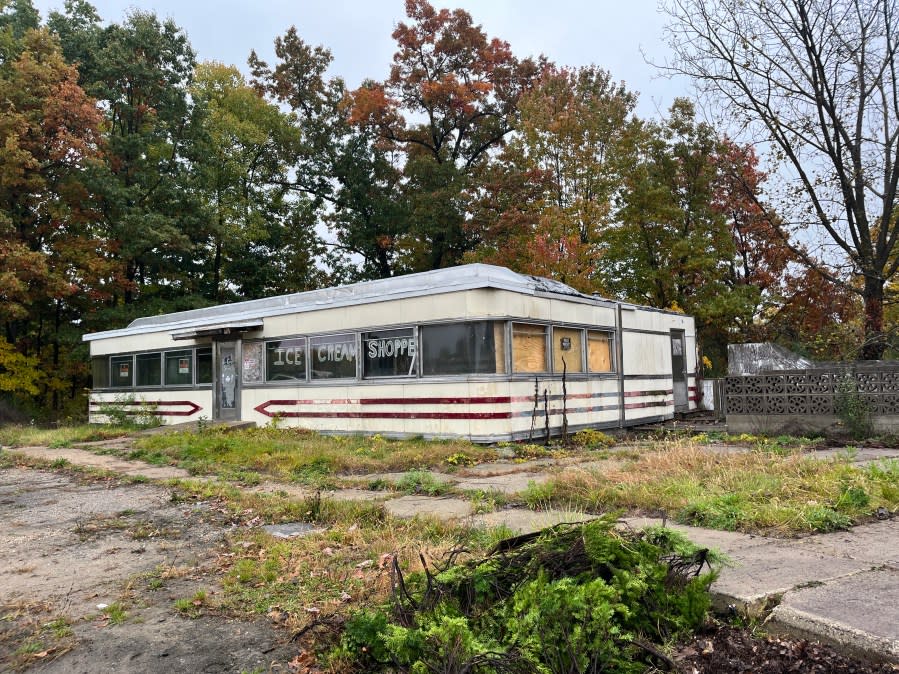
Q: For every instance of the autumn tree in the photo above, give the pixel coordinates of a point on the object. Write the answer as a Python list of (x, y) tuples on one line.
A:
[(817, 81), (53, 260), (673, 246), (571, 146), (450, 99)]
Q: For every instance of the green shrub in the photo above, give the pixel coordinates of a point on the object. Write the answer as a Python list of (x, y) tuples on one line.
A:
[(577, 598)]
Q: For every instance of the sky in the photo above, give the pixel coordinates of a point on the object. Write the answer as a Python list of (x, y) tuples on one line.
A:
[(613, 34)]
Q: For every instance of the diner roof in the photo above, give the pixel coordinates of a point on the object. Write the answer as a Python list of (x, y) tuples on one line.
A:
[(439, 281)]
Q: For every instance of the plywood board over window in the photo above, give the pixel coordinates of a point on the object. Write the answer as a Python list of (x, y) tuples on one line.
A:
[(528, 347), (568, 345), (599, 351), (499, 342)]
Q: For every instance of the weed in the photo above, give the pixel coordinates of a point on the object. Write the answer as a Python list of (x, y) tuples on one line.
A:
[(485, 501), (59, 463), (422, 482), (460, 459), (60, 627), (116, 613), (853, 408), (590, 438), (31, 646), (191, 607)]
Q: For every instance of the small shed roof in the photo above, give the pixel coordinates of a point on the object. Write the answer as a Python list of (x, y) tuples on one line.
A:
[(453, 279)]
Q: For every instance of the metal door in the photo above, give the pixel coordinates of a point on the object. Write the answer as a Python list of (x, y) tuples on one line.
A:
[(679, 371), (226, 381)]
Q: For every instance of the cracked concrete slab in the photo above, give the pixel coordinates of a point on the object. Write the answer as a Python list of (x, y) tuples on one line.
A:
[(843, 612)]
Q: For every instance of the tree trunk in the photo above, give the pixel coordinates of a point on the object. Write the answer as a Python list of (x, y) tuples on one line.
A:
[(874, 345)]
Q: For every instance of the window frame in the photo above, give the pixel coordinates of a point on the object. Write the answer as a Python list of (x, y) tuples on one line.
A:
[(416, 359), (307, 358), (309, 349), (611, 336)]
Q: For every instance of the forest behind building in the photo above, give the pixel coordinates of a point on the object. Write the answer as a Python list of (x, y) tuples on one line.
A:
[(137, 178)]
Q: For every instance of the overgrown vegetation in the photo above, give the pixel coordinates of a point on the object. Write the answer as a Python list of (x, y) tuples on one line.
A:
[(768, 491), (583, 598), (298, 455)]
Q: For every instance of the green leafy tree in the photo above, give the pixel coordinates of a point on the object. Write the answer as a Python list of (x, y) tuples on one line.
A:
[(256, 241), (140, 71)]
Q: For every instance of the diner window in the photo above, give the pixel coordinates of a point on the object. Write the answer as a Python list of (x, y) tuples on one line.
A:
[(122, 370), (204, 366), (476, 347), (99, 372), (599, 351), (251, 354), (568, 345), (389, 353), (333, 357), (179, 369), (285, 360), (149, 369), (528, 348)]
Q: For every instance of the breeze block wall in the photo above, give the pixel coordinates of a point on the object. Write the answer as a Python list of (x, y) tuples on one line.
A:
[(810, 401)]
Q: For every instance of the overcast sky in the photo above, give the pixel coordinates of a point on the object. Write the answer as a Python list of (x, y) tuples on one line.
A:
[(608, 33)]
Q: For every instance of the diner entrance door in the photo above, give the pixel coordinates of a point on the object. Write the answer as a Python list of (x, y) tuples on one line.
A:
[(226, 381)]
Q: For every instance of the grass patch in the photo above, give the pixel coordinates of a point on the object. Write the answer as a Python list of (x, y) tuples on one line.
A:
[(298, 455), (774, 492), (18, 435), (32, 634), (115, 613), (192, 607), (422, 482)]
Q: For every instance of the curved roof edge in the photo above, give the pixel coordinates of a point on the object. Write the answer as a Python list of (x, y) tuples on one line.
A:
[(439, 281)]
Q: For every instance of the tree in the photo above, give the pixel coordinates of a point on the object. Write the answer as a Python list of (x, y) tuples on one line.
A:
[(818, 79), (451, 98), (673, 246), (140, 71), (570, 147), (240, 162), (53, 260)]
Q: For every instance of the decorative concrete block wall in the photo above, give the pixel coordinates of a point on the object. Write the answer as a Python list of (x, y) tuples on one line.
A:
[(807, 400)]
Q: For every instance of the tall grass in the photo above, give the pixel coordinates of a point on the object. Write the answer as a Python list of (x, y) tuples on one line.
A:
[(745, 491)]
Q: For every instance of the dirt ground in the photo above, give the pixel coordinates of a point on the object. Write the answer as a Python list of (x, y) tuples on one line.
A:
[(68, 547)]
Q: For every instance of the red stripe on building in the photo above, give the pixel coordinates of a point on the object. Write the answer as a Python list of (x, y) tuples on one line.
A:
[(155, 404)]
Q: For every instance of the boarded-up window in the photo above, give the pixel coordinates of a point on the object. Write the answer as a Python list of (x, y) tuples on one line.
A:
[(599, 351), (568, 345), (528, 348)]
